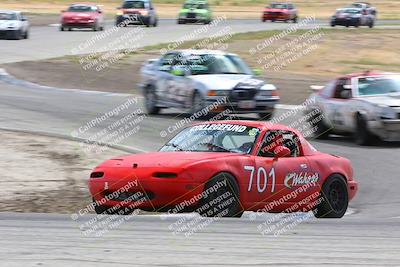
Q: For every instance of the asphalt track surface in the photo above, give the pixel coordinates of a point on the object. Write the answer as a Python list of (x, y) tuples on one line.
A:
[(48, 42), (368, 235)]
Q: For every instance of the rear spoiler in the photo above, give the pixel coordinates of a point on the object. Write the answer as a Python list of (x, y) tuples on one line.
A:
[(316, 88)]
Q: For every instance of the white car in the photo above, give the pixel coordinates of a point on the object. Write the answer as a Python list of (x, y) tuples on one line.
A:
[(365, 104), (194, 79), (13, 25)]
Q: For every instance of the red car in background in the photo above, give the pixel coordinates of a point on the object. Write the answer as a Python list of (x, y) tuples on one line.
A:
[(280, 11), (82, 15), (222, 168)]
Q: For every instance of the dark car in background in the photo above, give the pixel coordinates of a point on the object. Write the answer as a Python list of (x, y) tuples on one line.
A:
[(280, 11), (355, 17), (141, 12)]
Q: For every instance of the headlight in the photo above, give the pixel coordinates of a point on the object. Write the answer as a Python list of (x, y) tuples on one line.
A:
[(218, 93), (387, 112), (144, 12), (119, 13)]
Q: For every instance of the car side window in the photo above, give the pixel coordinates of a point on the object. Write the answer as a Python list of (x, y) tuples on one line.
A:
[(290, 6), (342, 89), (273, 139), (327, 91), (167, 61)]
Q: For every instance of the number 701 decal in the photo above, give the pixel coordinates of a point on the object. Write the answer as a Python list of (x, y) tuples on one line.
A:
[(261, 174)]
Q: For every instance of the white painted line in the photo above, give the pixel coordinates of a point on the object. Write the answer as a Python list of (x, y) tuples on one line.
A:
[(54, 25)]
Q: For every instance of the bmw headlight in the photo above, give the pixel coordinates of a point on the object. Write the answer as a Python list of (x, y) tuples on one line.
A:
[(218, 93), (387, 112)]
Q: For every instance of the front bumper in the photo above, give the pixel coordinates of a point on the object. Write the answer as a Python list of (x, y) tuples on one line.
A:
[(387, 130), (243, 106), (276, 16), (345, 21), (134, 19), (78, 24), (8, 33), (157, 194), (352, 187)]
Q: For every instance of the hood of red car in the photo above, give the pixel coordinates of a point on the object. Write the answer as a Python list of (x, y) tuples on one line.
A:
[(81, 15), (275, 10), (164, 159)]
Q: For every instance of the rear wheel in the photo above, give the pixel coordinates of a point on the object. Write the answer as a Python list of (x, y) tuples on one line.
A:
[(334, 198), (221, 197)]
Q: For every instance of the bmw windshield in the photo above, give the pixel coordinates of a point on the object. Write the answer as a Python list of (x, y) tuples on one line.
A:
[(8, 16), (217, 64), (232, 138), (134, 4), (380, 85)]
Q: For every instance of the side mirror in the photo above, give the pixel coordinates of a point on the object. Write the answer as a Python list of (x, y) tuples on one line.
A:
[(257, 72), (178, 72), (281, 152)]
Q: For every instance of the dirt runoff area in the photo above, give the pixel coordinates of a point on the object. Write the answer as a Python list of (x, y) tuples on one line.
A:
[(60, 187)]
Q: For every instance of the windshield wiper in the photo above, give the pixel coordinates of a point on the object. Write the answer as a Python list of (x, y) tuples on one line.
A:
[(175, 146)]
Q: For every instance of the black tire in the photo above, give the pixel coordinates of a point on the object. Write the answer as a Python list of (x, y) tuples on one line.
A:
[(95, 27), (362, 136), (222, 202), (371, 24), (295, 19), (322, 128), (265, 116), (333, 24), (151, 101), (26, 35), (334, 198), (61, 28), (99, 209), (69, 29), (155, 24), (197, 103), (347, 25)]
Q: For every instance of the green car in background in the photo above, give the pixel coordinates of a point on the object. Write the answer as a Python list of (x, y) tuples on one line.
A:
[(195, 11)]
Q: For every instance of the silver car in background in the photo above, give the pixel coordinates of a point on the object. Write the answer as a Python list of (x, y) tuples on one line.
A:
[(366, 105), (13, 25), (191, 80)]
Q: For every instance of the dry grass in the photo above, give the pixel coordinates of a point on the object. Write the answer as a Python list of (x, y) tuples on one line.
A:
[(231, 8)]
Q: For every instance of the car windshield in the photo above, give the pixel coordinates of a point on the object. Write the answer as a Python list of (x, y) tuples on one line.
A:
[(133, 4), (378, 85), (350, 11), (278, 6), (8, 16), (82, 8), (194, 6), (217, 64), (222, 137)]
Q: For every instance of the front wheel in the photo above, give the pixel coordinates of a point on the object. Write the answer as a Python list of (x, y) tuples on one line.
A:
[(151, 101), (334, 198), (220, 198), (295, 19), (197, 103), (362, 136)]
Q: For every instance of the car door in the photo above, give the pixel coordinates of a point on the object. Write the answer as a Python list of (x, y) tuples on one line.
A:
[(165, 78), (336, 103), (282, 176), (180, 86)]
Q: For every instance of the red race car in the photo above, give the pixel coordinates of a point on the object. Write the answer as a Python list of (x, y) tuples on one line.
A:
[(224, 168), (82, 15), (280, 12)]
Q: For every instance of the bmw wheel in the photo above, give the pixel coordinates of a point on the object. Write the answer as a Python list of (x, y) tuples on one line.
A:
[(151, 101), (334, 198), (362, 136)]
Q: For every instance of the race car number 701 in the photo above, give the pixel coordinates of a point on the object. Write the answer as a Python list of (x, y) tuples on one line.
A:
[(261, 172)]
